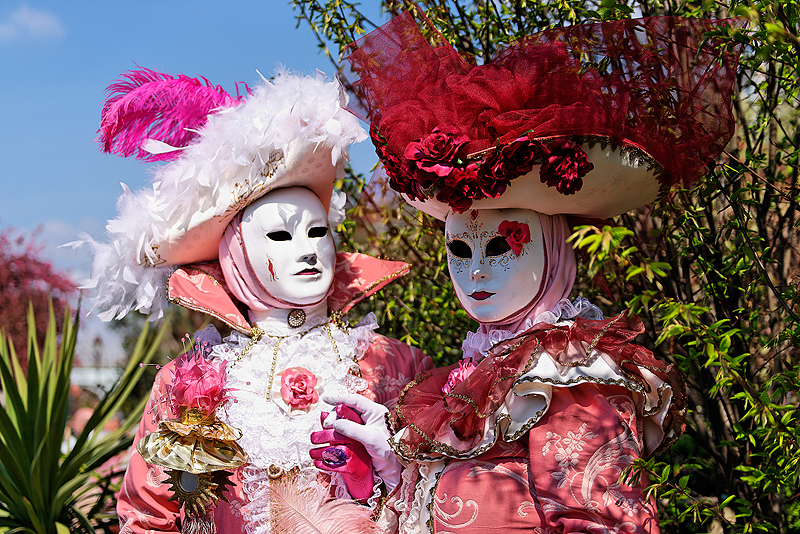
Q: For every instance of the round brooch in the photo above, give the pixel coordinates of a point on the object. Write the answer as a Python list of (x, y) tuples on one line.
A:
[(274, 472), (296, 318)]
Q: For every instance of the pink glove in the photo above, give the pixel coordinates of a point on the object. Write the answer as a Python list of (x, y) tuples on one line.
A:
[(344, 455)]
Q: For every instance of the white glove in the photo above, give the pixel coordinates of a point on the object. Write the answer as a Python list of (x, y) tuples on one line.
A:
[(373, 434)]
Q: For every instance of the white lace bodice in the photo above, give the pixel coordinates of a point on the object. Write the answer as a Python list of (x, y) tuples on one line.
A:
[(274, 434)]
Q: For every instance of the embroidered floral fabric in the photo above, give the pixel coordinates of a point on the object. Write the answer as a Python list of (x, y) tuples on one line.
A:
[(562, 477)]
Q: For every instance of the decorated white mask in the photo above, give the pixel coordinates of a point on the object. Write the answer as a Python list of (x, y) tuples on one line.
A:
[(496, 260), (289, 245)]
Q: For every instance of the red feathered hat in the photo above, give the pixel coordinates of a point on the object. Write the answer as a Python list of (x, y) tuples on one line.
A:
[(591, 120)]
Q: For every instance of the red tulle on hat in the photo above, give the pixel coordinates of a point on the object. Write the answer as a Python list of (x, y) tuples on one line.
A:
[(642, 84)]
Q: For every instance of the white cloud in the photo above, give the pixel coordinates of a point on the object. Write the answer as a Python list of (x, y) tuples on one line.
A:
[(29, 23)]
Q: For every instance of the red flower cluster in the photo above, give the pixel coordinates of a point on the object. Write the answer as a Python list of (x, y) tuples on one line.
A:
[(438, 162), (565, 167)]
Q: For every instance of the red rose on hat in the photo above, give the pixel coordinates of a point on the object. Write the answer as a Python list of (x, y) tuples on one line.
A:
[(565, 167), (460, 188), (436, 153), (520, 156)]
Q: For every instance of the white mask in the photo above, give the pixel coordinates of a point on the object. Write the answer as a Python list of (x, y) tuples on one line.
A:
[(493, 281), (289, 245)]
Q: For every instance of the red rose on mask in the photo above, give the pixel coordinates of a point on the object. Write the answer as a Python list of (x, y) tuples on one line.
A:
[(298, 388), (516, 234)]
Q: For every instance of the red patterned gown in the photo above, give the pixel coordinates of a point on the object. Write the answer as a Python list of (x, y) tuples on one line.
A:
[(536, 438)]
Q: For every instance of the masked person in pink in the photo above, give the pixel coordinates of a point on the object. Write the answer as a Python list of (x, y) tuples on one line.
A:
[(551, 403), (239, 224)]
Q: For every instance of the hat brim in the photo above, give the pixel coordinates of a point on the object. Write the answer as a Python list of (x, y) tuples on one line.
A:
[(300, 164), (623, 179)]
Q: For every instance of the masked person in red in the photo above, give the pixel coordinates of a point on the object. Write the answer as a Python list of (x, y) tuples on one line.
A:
[(551, 403)]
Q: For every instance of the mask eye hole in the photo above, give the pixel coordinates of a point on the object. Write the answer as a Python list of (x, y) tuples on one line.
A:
[(497, 246), (459, 249), (280, 235), (318, 231)]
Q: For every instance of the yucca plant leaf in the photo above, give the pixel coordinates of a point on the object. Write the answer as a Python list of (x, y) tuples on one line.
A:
[(83, 521), (60, 398), (15, 403), (110, 402), (12, 499), (39, 487), (12, 449), (35, 521), (10, 362)]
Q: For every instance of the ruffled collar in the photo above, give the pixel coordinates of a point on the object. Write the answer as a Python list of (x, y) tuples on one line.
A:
[(477, 344), (462, 422), (201, 287)]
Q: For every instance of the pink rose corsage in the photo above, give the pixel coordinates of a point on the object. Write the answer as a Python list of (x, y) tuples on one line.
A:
[(198, 383), (458, 375), (516, 234), (298, 388)]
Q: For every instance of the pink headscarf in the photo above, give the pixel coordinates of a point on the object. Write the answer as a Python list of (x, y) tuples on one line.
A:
[(559, 276), (239, 276)]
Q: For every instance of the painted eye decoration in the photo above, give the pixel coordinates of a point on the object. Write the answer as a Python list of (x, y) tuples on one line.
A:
[(497, 246), (459, 249), (318, 231), (281, 235)]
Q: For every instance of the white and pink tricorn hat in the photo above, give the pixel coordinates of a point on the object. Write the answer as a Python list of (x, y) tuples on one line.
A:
[(223, 153)]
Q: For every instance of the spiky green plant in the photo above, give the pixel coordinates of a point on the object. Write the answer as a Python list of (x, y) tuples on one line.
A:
[(42, 490)]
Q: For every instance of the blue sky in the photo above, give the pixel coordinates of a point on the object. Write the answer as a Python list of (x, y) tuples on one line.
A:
[(56, 58)]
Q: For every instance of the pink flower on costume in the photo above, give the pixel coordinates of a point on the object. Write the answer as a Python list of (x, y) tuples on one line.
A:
[(298, 388), (516, 234), (197, 383), (458, 375)]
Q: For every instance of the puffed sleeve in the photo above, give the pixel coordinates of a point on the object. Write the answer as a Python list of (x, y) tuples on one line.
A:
[(589, 435), (143, 504), (388, 365)]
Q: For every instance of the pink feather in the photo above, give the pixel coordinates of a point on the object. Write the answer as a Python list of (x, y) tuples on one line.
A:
[(145, 104), (312, 511)]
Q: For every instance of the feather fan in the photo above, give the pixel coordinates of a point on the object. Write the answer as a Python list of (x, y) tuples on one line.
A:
[(312, 511), (148, 105)]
